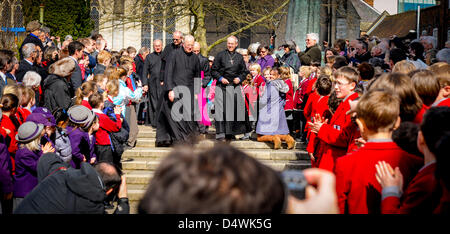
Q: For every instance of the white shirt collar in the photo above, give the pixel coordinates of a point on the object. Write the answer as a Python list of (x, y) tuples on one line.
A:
[(3, 76)]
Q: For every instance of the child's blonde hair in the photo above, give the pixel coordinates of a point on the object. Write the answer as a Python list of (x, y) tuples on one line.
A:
[(255, 66), (285, 73), (33, 145), (306, 70)]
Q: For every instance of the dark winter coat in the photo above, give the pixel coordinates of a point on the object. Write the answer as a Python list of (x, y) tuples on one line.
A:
[(57, 93)]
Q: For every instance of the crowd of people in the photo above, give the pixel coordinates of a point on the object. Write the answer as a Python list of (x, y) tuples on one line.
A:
[(372, 112)]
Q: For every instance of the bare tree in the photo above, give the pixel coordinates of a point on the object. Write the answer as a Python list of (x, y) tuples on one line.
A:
[(242, 15)]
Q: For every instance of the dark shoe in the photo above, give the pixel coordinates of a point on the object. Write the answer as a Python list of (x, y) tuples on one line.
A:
[(244, 138), (127, 147), (163, 144)]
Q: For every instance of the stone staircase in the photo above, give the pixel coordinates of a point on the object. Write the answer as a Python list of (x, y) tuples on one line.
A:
[(146, 158)]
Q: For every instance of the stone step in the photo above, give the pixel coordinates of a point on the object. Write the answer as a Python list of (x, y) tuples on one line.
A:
[(146, 134), (150, 142), (152, 164), (138, 177), (262, 154)]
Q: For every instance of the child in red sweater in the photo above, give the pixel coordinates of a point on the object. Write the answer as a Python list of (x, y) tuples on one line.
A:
[(423, 193), (337, 134), (319, 106), (84, 92), (289, 106), (103, 145), (356, 186)]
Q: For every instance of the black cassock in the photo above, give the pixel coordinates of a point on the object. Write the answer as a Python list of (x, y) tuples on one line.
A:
[(178, 125), (230, 113), (151, 77)]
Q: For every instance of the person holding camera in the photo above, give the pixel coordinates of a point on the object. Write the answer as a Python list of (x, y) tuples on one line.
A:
[(234, 183), (64, 190)]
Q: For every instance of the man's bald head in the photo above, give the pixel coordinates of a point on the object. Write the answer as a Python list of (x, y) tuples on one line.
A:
[(232, 43), (109, 174), (197, 48), (188, 43)]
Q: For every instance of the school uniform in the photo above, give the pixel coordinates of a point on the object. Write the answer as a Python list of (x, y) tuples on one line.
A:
[(25, 178), (22, 114), (320, 107), (307, 112), (103, 146), (337, 134), (357, 189), (82, 146), (85, 102), (312, 81), (420, 197), (419, 117), (10, 138), (442, 102), (444, 203)]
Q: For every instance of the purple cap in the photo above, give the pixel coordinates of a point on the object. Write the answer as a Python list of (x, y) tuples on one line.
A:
[(46, 112), (40, 118)]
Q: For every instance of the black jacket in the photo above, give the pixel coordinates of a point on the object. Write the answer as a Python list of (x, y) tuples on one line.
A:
[(25, 66), (57, 93), (63, 190), (76, 79), (139, 62), (99, 69)]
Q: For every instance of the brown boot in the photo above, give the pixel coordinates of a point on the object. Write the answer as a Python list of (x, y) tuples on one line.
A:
[(276, 142), (290, 141), (274, 139)]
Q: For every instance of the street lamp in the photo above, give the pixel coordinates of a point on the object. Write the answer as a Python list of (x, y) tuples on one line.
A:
[(41, 13)]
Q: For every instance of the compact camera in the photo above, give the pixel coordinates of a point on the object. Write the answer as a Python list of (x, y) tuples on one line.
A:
[(295, 182)]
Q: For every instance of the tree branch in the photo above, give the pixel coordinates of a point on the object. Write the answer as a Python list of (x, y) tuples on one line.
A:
[(223, 39)]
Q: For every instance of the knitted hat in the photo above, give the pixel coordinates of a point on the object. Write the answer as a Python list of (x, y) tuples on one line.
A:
[(46, 112), (80, 114), (40, 118), (33, 26), (29, 131)]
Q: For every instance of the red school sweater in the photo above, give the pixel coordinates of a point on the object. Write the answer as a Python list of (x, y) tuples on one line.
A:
[(319, 107), (419, 117), (106, 126), (289, 96), (337, 135), (357, 189), (420, 197)]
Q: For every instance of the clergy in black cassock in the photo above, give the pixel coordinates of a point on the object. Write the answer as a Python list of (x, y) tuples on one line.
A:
[(176, 121), (151, 77), (229, 70)]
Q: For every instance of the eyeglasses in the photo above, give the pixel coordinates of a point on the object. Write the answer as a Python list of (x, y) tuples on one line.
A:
[(339, 84), (177, 39)]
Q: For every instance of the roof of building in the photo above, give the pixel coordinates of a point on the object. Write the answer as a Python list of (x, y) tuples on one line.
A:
[(387, 25)]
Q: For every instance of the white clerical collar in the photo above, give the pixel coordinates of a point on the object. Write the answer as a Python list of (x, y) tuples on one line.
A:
[(3, 76), (29, 62)]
